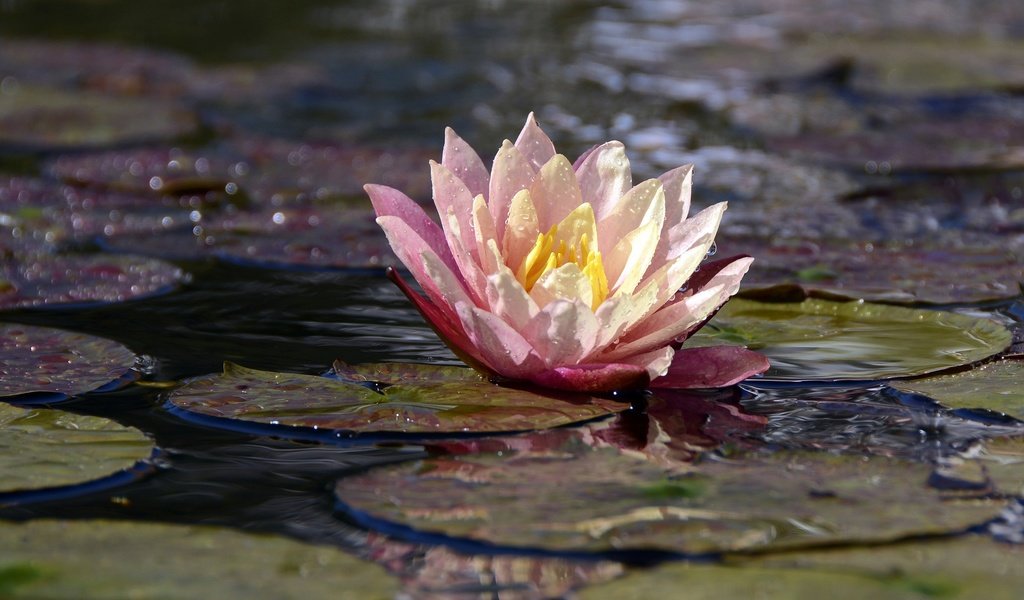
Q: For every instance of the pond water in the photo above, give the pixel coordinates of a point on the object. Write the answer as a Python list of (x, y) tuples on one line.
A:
[(186, 248)]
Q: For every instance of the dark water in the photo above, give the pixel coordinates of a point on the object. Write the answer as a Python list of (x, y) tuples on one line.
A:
[(745, 90)]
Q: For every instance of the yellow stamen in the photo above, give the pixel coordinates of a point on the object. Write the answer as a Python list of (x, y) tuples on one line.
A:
[(549, 253)]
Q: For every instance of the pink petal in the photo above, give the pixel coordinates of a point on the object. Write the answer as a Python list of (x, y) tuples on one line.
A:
[(598, 378), (509, 300), (460, 158), (484, 232), (445, 324), (583, 157), (604, 176), (510, 173), (452, 197), (498, 343), (555, 192), (711, 367), (522, 230), (678, 184), (638, 206), (410, 249), (700, 229), (656, 361), (535, 145), (472, 275), (389, 202)]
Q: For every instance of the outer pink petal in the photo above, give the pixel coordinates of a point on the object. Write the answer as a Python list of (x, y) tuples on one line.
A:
[(498, 343), (452, 197), (510, 173), (464, 162), (410, 249), (555, 192), (596, 378), (604, 176), (446, 324), (638, 206), (678, 184), (535, 145), (700, 229), (710, 367), (389, 202)]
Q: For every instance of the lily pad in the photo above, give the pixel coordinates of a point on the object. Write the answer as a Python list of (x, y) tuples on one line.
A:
[(41, 359), (997, 386), (582, 499), (1003, 462), (49, 448), (34, 280), (39, 117), (435, 400), (851, 341), (891, 273), (112, 559), (970, 567)]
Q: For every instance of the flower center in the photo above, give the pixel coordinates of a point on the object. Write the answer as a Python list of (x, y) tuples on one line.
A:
[(549, 253)]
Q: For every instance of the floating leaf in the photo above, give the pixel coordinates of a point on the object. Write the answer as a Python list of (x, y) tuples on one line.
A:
[(39, 117), (888, 273), (49, 448), (996, 386), (970, 567), (47, 279), (113, 559), (427, 399), (837, 341), (1003, 462), (41, 359), (582, 499)]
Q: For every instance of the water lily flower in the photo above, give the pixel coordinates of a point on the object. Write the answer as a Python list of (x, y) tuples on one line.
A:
[(565, 274)]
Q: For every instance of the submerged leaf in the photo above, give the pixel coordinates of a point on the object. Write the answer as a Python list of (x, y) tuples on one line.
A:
[(842, 341), (405, 399), (997, 386)]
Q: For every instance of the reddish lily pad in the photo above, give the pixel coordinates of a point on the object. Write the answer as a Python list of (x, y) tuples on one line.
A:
[(117, 559), (270, 172), (37, 117), (437, 400), (582, 499), (41, 359), (49, 448), (843, 341), (995, 386), (45, 280), (879, 272)]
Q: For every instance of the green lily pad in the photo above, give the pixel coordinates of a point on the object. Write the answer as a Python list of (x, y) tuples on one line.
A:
[(995, 386), (850, 341), (50, 448), (41, 359), (39, 117), (112, 559), (585, 499), (893, 273), (970, 567), (1003, 463), (51, 279), (411, 399)]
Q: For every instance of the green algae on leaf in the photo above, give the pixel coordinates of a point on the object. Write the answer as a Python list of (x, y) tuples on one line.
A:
[(844, 341), (997, 386), (582, 499), (426, 399), (48, 448), (41, 359), (968, 567), (52, 279), (113, 559)]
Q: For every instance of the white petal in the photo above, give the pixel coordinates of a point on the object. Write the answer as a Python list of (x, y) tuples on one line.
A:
[(567, 282), (638, 206), (563, 332), (604, 176), (508, 299), (628, 261)]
